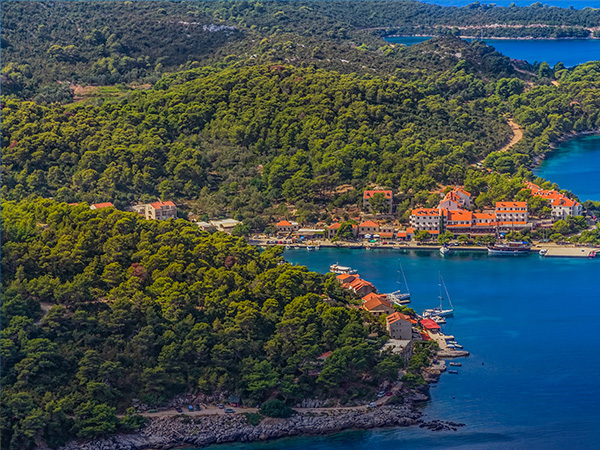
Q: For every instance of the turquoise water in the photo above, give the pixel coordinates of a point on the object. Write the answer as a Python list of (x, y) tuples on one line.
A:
[(570, 52), (533, 322), (575, 165)]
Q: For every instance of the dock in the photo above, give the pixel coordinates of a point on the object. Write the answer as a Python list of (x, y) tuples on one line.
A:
[(570, 252)]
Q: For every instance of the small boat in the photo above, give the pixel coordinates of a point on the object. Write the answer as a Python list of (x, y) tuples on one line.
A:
[(451, 346), (451, 342), (455, 372), (336, 268), (512, 248), (543, 252), (439, 320), (309, 247), (440, 312), (444, 250), (592, 255), (458, 346), (317, 247), (454, 364), (287, 247), (296, 248)]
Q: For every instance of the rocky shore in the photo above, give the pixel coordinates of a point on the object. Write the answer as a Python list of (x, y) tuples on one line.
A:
[(177, 431)]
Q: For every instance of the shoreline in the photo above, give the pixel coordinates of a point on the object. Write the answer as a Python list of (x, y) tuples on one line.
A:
[(539, 159), (183, 431), (507, 38)]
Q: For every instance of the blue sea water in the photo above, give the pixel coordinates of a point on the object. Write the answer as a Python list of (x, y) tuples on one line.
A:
[(575, 165), (570, 52), (531, 325)]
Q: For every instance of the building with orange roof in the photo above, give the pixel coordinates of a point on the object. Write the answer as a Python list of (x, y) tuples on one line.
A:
[(361, 287), (562, 206), (430, 325), (346, 277), (368, 195), (284, 226), (157, 210), (426, 218), (102, 205), (334, 227), (368, 227), (511, 211), (459, 220), (399, 326), (377, 304)]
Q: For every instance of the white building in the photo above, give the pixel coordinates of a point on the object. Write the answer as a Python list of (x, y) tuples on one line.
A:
[(157, 211), (225, 225), (399, 326)]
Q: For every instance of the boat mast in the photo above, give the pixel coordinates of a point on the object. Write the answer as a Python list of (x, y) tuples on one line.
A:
[(404, 277), (447, 295), (440, 296)]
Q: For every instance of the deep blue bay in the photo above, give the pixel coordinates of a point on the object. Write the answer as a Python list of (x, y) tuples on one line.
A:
[(570, 52), (575, 165), (534, 324)]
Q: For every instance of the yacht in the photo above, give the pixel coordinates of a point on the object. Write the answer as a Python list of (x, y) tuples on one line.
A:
[(440, 312)]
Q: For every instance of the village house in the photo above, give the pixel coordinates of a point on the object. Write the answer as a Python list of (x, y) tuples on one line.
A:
[(368, 195), (562, 206), (361, 287), (430, 325), (311, 233), (368, 227), (459, 221), (157, 211), (402, 347), (334, 227), (101, 205), (387, 231), (225, 225), (377, 304), (399, 326), (284, 226)]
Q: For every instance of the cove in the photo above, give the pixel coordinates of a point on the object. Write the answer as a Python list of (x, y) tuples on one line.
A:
[(575, 165), (570, 52), (531, 321)]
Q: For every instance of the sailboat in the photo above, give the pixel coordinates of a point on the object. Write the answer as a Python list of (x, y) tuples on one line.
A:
[(444, 250), (399, 297), (441, 312)]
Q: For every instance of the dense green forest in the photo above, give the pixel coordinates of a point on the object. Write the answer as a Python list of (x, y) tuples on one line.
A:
[(148, 310), (47, 45)]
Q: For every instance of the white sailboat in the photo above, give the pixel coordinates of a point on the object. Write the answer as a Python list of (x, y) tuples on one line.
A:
[(441, 312), (399, 297)]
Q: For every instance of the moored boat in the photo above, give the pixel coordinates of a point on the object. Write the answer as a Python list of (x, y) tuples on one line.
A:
[(440, 312), (511, 248), (444, 250), (336, 268), (398, 297), (455, 364), (454, 372)]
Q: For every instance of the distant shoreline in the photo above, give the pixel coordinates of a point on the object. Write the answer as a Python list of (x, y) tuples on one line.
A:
[(504, 38)]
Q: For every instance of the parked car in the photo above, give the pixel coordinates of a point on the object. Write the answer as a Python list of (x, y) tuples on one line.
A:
[(372, 405), (380, 394), (179, 410), (229, 410), (388, 393), (220, 406), (198, 408), (191, 408)]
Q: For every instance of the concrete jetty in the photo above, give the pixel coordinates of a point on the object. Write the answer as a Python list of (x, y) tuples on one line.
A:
[(569, 252)]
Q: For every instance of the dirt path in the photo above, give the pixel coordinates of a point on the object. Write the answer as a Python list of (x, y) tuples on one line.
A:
[(45, 308), (517, 136)]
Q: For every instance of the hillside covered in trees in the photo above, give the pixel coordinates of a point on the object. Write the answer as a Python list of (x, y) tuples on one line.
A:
[(148, 310)]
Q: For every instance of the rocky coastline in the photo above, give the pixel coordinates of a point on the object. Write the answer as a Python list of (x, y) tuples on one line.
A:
[(177, 431)]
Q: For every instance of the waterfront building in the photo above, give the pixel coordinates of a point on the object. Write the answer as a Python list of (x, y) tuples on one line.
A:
[(157, 210), (430, 325), (310, 233), (334, 227), (562, 206), (425, 219), (399, 326), (368, 227), (511, 212), (368, 195), (284, 226)]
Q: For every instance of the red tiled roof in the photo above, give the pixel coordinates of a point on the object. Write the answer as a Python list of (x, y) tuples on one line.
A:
[(325, 355), (511, 204), (430, 324), (376, 303), (425, 337), (347, 278), (369, 194), (370, 224), (159, 205), (425, 212), (395, 317), (386, 235), (284, 223), (461, 215), (103, 205), (410, 230)]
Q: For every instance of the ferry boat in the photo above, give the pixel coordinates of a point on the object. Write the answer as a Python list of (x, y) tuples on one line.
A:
[(336, 268), (440, 312), (512, 248)]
